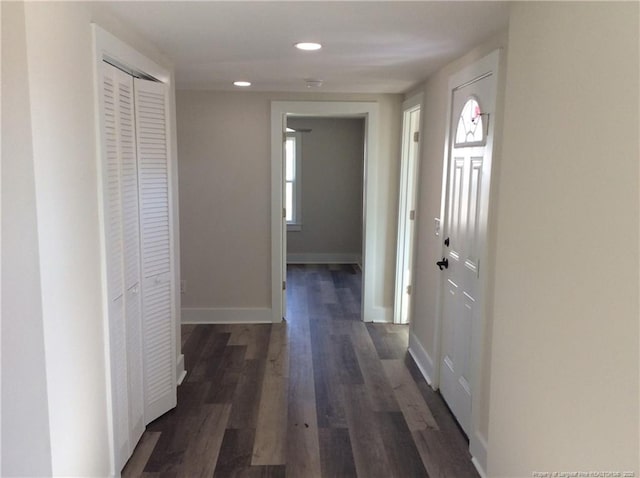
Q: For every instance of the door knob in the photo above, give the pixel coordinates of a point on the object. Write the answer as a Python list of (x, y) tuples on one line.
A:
[(443, 264)]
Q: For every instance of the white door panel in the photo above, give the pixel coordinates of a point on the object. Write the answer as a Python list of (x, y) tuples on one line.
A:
[(407, 212), (158, 329), (117, 88), (284, 218)]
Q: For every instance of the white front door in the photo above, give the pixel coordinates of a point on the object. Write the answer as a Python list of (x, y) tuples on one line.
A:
[(465, 225)]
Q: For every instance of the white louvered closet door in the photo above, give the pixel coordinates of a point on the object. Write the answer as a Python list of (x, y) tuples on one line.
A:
[(123, 263), (131, 241), (156, 241)]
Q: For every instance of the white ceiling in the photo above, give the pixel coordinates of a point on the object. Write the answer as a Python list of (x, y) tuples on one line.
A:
[(369, 47)]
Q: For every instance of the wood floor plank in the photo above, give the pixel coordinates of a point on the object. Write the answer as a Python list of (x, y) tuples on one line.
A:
[(414, 409), (191, 395), (328, 291), (351, 308), (401, 451), (194, 346), (201, 455), (438, 459), (223, 387), (335, 453), (246, 399), (278, 352), (232, 360), (381, 394), (269, 446), (241, 334), (303, 448), (263, 471), (212, 349), (185, 333), (386, 345), (168, 453), (346, 360), (235, 452), (259, 346), (367, 445), (328, 393), (135, 466), (254, 336)]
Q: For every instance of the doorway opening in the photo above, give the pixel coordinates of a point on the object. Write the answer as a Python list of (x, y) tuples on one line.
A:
[(410, 160), (324, 176), (283, 113)]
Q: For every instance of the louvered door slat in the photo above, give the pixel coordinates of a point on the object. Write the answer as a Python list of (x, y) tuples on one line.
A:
[(155, 232)]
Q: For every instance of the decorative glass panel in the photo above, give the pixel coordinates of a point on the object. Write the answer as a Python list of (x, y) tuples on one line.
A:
[(470, 131)]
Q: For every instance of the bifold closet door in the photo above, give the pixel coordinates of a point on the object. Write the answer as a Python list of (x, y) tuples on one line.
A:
[(156, 245), (122, 258)]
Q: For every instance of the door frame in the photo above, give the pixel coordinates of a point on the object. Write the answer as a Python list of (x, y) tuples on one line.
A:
[(408, 107), (371, 266), (486, 66)]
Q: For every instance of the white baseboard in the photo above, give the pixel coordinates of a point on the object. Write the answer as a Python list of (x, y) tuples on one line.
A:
[(181, 373), (323, 258), (479, 468), (377, 314), (478, 450), (422, 358), (226, 316)]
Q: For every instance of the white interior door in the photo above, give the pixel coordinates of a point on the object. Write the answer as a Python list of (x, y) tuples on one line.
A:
[(407, 213), (464, 238), (155, 244), (284, 217)]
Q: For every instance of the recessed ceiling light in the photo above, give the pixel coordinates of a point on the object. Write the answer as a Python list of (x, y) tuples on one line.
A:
[(242, 83), (308, 46), (313, 83)]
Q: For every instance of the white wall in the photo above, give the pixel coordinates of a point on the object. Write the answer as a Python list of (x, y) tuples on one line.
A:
[(225, 196), (564, 388), (428, 245), (332, 176), (26, 447), (59, 78)]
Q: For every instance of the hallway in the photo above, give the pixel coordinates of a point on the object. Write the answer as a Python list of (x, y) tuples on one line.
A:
[(322, 394)]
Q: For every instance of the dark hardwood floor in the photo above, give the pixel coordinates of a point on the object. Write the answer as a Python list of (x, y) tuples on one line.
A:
[(320, 395)]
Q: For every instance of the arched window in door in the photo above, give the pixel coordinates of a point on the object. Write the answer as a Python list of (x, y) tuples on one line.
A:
[(471, 127)]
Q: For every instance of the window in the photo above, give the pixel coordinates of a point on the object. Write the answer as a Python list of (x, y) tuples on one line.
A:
[(471, 128), (293, 180)]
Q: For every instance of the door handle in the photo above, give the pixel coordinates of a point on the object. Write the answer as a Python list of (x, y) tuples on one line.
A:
[(443, 264)]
